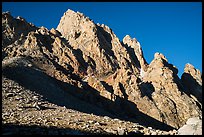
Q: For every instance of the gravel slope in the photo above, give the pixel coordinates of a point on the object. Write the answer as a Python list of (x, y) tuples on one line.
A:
[(26, 112)]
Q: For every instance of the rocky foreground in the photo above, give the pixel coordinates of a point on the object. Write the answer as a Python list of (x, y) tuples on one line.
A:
[(81, 79), (26, 112)]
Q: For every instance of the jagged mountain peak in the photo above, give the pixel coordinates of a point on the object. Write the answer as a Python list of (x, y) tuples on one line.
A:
[(99, 44), (189, 68), (69, 11), (75, 20), (13, 28), (131, 42), (88, 61), (160, 62), (158, 55)]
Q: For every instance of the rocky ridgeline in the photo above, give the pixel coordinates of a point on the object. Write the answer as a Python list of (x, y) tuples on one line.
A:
[(88, 61)]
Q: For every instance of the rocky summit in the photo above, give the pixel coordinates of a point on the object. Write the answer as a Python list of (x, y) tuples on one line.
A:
[(81, 79)]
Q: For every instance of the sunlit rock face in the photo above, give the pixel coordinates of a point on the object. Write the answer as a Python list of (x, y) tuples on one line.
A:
[(169, 92), (91, 63)]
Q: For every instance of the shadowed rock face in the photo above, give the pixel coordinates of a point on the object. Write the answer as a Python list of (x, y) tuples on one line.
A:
[(191, 79), (103, 71), (13, 28)]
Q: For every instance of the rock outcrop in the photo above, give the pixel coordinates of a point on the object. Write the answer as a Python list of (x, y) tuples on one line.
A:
[(88, 61), (14, 28), (193, 126), (168, 92), (101, 49), (191, 79)]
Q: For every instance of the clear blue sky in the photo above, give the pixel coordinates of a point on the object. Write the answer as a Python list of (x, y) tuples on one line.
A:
[(171, 28)]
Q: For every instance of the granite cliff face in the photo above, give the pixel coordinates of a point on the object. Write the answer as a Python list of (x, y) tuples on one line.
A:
[(88, 61)]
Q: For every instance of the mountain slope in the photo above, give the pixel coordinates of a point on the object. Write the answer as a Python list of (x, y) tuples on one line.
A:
[(87, 61)]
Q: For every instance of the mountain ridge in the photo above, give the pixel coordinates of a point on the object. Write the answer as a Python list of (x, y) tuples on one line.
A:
[(102, 70)]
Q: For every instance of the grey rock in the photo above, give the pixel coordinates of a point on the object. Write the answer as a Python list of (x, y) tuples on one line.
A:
[(193, 127), (154, 133), (193, 120), (121, 131)]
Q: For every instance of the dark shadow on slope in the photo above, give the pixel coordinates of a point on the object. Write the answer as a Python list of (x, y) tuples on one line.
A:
[(45, 40), (105, 42), (176, 79), (91, 63), (39, 82), (132, 54), (122, 89), (146, 89), (170, 66), (105, 39), (59, 93), (15, 129), (83, 64), (107, 87), (191, 86)]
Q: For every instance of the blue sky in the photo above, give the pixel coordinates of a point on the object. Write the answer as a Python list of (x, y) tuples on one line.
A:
[(171, 28)]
